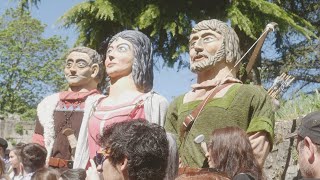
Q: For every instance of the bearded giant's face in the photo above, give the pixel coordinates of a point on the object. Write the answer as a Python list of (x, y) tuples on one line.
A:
[(206, 48)]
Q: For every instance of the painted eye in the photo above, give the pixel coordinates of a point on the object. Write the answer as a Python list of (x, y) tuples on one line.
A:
[(191, 45), (82, 64), (123, 48), (68, 65), (208, 39), (108, 51)]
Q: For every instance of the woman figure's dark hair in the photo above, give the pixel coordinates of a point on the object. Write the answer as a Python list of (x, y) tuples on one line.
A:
[(230, 151), (142, 68), (45, 173), (74, 174)]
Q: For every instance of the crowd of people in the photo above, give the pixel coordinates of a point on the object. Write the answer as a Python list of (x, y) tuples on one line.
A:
[(220, 129)]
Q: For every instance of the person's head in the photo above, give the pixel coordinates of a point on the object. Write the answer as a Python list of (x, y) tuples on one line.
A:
[(73, 174), (130, 52), (3, 147), (15, 156), (212, 41), (134, 150), (309, 145), (173, 158), (83, 68), (45, 173), (230, 151), (33, 157)]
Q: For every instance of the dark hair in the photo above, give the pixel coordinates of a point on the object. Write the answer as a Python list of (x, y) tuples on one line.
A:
[(2, 167), (45, 173), (3, 144), (74, 174), (144, 145), (231, 152), (142, 68), (33, 157)]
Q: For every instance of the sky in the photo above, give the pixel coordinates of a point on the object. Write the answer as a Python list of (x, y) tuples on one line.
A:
[(168, 82)]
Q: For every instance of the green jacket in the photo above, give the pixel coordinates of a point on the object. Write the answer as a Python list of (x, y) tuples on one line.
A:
[(246, 106)]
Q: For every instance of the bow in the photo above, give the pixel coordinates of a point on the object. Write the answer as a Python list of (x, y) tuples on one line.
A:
[(259, 42)]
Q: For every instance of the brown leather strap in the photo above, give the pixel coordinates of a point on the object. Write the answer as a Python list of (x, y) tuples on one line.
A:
[(210, 172), (189, 120), (187, 170), (60, 163)]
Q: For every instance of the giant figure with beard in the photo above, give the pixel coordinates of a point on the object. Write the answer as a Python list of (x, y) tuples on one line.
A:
[(214, 50)]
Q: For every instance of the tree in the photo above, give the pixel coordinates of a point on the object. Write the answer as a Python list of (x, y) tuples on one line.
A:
[(26, 4), (169, 23), (297, 55), (29, 64)]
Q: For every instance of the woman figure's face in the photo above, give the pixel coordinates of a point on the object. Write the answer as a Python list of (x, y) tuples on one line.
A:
[(14, 160), (119, 58)]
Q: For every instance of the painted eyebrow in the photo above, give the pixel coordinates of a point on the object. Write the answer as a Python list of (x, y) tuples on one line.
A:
[(202, 36), (124, 44), (194, 38), (207, 34), (76, 60), (120, 45), (80, 60)]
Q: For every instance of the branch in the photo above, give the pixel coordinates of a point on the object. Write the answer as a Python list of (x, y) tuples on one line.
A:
[(308, 78)]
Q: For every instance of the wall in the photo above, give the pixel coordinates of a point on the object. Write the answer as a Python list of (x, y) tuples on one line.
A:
[(8, 132), (281, 164)]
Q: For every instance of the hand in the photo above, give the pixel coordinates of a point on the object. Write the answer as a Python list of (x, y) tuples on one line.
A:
[(180, 163), (260, 145), (92, 173)]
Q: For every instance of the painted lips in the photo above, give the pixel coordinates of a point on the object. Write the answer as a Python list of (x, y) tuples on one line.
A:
[(72, 76), (199, 57), (110, 64)]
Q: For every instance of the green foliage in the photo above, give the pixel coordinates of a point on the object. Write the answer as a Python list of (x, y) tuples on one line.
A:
[(26, 4), (297, 56), (29, 114), (242, 20), (148, 17), (299, 106), (30, 67), (169, 22), (253, 15), (19, 129), (12, 141), (294, 152)]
